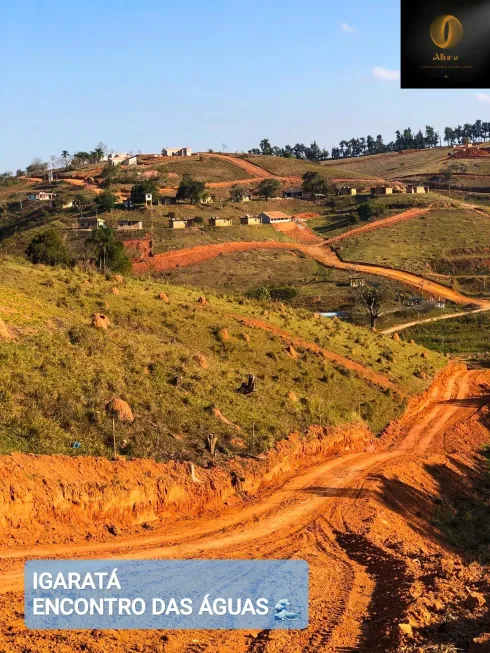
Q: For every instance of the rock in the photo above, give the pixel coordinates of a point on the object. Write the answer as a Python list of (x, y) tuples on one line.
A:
[(292, 351), (100, 321), (223, 335), (120, 409), (411, 342), (201, 360), (405, 630), (164, 297), (118, 278), (474, 600), (246, 337), (202, 300), (291, 396), (396, 337), (115, 291), (317, 316), (4, 331), (425, 354)]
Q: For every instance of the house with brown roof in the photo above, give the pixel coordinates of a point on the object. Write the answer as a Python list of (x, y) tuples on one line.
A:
[(274, 217)]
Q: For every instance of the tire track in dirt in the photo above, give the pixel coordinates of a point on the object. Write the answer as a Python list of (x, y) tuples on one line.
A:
[(357, 589)]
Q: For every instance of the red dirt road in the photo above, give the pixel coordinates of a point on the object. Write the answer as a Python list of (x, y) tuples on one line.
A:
[(333, 515), (322, 254)]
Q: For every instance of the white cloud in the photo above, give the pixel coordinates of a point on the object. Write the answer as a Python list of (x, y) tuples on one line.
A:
[(379, 72), (345, 27), (483, 97)]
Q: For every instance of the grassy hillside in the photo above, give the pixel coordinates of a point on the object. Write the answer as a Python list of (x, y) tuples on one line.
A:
[(465, 335), (175, 364), (394, 165), (283, 167), (417, 244)]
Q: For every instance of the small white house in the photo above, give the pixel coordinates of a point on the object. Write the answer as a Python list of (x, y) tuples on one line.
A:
[(250, 219), (91, 223), (129, 225), (122, 158), (274, 217), (177, 151)]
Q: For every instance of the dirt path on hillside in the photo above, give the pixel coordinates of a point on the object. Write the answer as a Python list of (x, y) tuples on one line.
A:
[(364, 372), (449, 316), (331, 515), (321, 253), (378, 224)]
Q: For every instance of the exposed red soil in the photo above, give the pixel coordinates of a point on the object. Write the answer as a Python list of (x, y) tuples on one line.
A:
[(321, 253), (363, 521), (299, 233)]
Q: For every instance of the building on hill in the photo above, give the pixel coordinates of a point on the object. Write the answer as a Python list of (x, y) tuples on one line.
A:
[(347, 190), (217, 221), (180, 223), (357, 282), (381, 190), (41, 196), (166, 200), (176, 151), (294, 193), (250, 219), (129, 225), (414, 189), (274, 217), (91, 223), (122, 159)]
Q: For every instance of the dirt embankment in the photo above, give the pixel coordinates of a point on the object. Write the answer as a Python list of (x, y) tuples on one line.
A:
[(60, 498)]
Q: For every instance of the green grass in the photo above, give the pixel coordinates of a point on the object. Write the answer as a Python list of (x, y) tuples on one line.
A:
[(202, 168), (57, 376), (414, 244), (465, 335)]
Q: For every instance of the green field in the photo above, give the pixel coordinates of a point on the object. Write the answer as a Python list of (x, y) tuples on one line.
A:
[(202, 168), (149, 358), (413, 245), (465, 335)]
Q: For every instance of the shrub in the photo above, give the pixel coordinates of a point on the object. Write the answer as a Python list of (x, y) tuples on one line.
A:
[(48, 248)]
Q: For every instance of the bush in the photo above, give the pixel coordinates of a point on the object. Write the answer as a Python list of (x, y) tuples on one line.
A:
[(277, 293), (48, 248)]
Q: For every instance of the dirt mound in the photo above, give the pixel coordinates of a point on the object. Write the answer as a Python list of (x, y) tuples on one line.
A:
[(100, 321), (120, 409), (164, 297), (115, 290), (201, 360)]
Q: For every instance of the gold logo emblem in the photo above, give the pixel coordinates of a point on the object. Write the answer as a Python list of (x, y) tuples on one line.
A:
[(446, 32)]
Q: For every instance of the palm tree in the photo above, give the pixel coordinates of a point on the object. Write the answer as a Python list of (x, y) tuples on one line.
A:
[(64, 155)]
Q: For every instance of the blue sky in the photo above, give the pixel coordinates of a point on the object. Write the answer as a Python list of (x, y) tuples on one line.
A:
[(148, 74)]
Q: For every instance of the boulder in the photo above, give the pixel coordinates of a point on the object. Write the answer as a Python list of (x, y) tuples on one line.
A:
[(202, 300), (424, 354), (164, 297), (115, 291), (118, 278), (120, 409), (246, 337), (100, 321), (396, 337), (292, 396)]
